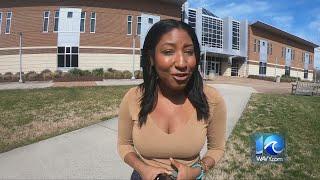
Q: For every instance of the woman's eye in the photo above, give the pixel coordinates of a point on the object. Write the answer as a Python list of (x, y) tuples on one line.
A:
[(167, 52), (189, 52)]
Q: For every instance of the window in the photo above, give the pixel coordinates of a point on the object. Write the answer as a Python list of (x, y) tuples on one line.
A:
[(305, 73), (46, 15), (262, 68), (269, 49), (0, 21), (83, 22), (303, 57), (287, 71), (93, 22), (150, 21), (8, 22), (259, 46), (255, 46), (68, 57), (56, 21), (293, 55), (129, 25), (283, 52), (138, 25), (70, 14), (212, 34), (310, 59), (192, 18), (235, 35)]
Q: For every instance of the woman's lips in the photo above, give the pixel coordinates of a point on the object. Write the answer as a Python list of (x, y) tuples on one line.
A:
[(180, 76)]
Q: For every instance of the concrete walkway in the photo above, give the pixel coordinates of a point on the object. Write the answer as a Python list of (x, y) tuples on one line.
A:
[(46, 84), (90, 153)]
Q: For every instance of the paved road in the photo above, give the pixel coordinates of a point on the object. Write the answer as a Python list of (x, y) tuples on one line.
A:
[(90, 153)]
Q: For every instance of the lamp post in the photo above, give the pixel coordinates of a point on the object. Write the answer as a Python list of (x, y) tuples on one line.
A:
[(133, 54), (20, 53)]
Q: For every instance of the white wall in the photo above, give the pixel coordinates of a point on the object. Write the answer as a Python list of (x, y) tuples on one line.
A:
[(254, 70), (105, 61), (30, 62)]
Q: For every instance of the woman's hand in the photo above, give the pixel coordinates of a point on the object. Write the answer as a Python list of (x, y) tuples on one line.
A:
[(185, 172), (151, 172)]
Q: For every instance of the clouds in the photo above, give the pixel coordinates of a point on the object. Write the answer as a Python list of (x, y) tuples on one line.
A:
[(296, 17)]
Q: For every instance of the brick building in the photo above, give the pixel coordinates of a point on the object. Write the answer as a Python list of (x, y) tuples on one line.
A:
[(86, 34), (272, 52)]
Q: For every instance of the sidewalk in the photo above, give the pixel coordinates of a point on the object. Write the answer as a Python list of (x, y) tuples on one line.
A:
[(46, 84), (91, 153)]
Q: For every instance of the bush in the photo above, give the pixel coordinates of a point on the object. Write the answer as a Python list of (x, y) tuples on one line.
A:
[(57, 74), (98, 72), (117, 74), (46, 74), (285, 78), (108, 75), (266, 78), (86, 73), (7, 76), (32, 76), (75, 72), (110, 70), (126, 74), (138, 74)]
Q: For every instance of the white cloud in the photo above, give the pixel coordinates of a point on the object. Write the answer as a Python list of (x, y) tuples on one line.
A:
[(283, 22), (241, 10)]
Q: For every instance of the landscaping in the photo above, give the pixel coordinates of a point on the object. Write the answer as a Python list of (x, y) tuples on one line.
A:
[(28, 116), (283, 78), (74, 74), (296, 118)]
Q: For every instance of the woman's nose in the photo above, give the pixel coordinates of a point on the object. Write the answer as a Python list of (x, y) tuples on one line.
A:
[(180, 61)]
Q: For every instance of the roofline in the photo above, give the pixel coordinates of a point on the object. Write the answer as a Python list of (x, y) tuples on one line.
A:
[(273, 29), (176, 2)]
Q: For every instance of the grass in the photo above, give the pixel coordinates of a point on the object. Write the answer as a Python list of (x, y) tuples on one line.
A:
[(27, 116), (295, 117)]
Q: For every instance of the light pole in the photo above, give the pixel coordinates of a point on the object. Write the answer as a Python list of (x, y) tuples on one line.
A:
[(133, 54), (315, 75), (20, 53)]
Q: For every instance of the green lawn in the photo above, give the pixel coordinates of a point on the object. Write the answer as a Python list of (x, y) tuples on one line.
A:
[(27, 116), (295, 117)]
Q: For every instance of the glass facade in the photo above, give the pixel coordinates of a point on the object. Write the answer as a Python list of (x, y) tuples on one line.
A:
[(192, 18), (235, 35), (212, 32)]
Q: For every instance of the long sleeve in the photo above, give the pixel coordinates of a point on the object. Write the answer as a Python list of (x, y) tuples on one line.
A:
[(216, 131), (125, 125)]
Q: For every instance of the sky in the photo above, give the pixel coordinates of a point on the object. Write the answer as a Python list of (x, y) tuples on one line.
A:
[(298, 17)]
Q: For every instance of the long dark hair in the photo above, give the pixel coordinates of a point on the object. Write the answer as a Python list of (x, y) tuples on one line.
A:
[(194, 88)]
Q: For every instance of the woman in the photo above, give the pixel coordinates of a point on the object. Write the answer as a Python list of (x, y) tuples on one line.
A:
[(163, 123)]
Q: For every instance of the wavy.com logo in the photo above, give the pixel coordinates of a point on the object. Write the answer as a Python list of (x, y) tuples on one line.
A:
[(268, 147)]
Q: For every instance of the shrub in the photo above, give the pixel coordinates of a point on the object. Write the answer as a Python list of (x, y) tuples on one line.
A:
[(86, 73), (117, 74), (32, 76), (7, 76), (111, 70), (57, 74), (75, 72), (98, 72), (138, 74), (285, 78), (46, 74), (126, 74), (108, 75), (266, 78)]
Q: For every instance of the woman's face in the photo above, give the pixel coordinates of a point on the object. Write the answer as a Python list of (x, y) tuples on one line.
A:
[(175, 59)]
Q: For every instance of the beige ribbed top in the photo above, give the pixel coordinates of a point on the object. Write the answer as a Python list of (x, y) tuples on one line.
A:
[(155, 147)]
